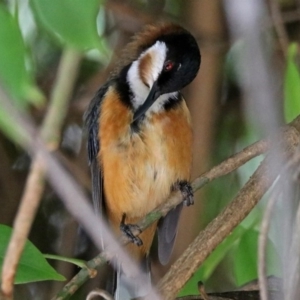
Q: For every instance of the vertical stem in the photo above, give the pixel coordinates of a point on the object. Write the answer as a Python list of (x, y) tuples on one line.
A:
[(59, 102)]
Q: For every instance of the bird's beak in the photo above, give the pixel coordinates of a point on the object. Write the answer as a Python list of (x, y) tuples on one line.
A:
[(152, 96)]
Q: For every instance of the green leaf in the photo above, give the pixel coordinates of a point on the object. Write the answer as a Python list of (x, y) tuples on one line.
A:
[(13, 73), (210, 264), (246, 258), (291, 85), (8, 126), (72, 21), (78, 262), (33, 266), (245, 262)]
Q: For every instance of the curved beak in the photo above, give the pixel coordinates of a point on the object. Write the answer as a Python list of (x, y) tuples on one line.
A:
[(152, 96)]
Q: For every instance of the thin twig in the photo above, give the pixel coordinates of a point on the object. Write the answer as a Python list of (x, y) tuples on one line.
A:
[(60, 98), (263, 238), (232, 163), (214, 234), (35, 183), (262, 246), (293, 277), (22, 224), (202, 291)]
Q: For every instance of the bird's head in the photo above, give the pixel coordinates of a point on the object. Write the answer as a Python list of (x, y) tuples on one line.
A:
[(165, 58)]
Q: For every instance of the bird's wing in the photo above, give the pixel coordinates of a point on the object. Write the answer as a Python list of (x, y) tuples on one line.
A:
[(91, 122), (167, 230)]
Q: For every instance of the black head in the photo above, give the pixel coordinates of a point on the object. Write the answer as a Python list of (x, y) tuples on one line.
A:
[(181, 64), (166, 63)]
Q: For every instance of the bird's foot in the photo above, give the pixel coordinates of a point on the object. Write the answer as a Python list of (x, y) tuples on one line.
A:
[(187, 193), (127, 230)]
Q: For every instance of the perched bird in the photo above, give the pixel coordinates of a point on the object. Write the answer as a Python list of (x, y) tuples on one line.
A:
[(140, 137)]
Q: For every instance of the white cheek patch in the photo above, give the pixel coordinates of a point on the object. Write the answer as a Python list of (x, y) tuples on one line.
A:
[(138, 88), (140, 91), (158, 53)]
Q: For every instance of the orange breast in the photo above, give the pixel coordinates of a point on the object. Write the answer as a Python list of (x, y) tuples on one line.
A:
[(140, 168)]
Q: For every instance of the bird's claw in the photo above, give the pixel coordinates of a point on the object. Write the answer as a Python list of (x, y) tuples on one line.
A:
[(187, 193), (127, 230)]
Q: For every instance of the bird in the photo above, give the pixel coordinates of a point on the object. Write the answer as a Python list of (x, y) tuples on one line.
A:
[(139, 138)]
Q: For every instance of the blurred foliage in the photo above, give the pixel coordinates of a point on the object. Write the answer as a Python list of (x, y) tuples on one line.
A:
[(14, 75), (292, 84), (32, 266), (13, 72), (73, 22)]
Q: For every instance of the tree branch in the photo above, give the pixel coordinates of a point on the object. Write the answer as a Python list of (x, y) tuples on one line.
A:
[(218, 229), (262, 245), (35, 183)]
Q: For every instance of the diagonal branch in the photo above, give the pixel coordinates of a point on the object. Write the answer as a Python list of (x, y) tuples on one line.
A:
[(224, 168), (35, 183), (218, 229)]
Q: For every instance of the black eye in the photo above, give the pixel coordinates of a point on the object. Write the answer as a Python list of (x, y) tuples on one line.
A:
[(168, 66)]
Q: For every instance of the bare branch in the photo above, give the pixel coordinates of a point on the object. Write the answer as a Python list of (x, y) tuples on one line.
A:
[(22, 225), (60, 98), (262, 246), (35, 183), (232, 163), (293, 277)]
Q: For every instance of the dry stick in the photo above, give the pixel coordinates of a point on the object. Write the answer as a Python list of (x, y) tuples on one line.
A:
[(213, 234), (236, 160), (293, 278), (265, 226), (227, 166), (232, 163), (218, 229), (51, 128), (22, 224), (262, 246)]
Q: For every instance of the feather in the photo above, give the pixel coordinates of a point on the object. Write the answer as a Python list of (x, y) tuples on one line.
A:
[(91, 125), (167, 230), (133, 287)]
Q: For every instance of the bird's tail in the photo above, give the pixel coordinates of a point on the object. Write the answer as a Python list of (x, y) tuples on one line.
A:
[(133, 287)]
